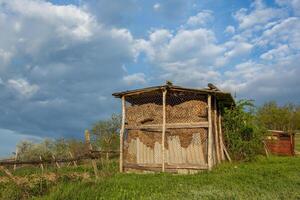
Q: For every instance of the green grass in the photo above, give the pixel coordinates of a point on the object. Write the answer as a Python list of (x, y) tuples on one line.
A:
[(272, 178)]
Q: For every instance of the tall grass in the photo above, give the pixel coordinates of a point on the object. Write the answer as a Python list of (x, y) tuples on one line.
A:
[(273, 178), (266, 178)]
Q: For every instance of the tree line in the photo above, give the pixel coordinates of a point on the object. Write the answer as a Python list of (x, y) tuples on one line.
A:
[(244, 128)]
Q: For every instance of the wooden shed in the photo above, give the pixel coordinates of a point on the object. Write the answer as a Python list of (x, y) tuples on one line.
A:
[(280, 142), (172, 129)]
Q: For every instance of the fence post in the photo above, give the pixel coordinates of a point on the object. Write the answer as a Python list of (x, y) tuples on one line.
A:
[(16, 159), (88, 142), (54, 159), (42, 166), (72, 157)]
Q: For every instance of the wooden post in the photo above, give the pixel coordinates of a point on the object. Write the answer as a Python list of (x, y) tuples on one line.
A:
[(16, 159), (88, 142), (217, 142), (54, 159), (210, 135), (221, 135), (163, 130), (41, 165), (226, 152), (74, 162), (122, 133)]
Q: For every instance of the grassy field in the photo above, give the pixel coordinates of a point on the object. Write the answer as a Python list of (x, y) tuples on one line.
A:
[(266, 178)]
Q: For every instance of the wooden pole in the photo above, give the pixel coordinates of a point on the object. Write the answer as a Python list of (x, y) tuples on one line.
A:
[(41, 165), (122, 133), (54, 159), (88, 141), (226, 152), (74, 162), (217, 142), (16, 159), (221, 134), (210, 135), (163, 130)]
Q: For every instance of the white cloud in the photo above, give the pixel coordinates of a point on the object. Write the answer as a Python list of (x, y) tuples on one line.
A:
[(294, 4), (285, 31), (64, 60), (66, 19), (281, 52), (135, 79), (5, 57), (258, 16), (201, 19), (156, 7), (230, 30), (240, 48), (24, 88)]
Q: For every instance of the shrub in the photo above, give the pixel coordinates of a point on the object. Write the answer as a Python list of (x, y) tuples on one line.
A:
[(243, 135)]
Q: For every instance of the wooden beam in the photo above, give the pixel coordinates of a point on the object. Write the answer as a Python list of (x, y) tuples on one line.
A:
[(54, 160), (74, 162), (210, 135), (41, 165), (163, 130), (169, 126), (217, 142), (221, 134), (88, 142), (226, 152), (122, 133), (158, 166), (16, 159)]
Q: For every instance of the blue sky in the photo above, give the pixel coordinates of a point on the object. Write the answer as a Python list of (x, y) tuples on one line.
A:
[(61, 60)]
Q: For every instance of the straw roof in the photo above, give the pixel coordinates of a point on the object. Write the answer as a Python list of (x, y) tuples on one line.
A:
[(132, 95)]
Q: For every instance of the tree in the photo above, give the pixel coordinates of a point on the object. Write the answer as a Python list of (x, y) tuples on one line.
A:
[(243, 135), (273, 116), (106, 132)]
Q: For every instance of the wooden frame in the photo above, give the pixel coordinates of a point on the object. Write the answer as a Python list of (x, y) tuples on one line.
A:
[(221, 134), (217, 142), (215, 152), (163, 130), (122, 133), (157, 167), (169, 126), (210, 135)]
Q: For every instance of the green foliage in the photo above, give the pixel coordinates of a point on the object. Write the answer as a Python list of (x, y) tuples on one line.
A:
[(273, 116), (60, 148), (106, 133), (10, 191), (243, 135)]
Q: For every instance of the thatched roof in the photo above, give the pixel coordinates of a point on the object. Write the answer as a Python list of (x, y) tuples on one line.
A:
[(224, 97)]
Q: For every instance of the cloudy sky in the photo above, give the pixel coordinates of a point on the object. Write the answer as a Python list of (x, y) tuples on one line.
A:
[(60, 60)]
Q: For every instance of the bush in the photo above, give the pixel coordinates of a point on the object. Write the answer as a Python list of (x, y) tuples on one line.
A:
[(243, 135)]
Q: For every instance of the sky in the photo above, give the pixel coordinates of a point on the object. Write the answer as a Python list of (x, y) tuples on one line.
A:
[(61, 60)]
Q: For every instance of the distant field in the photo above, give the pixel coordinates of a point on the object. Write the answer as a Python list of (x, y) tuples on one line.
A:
[(272, 178)]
